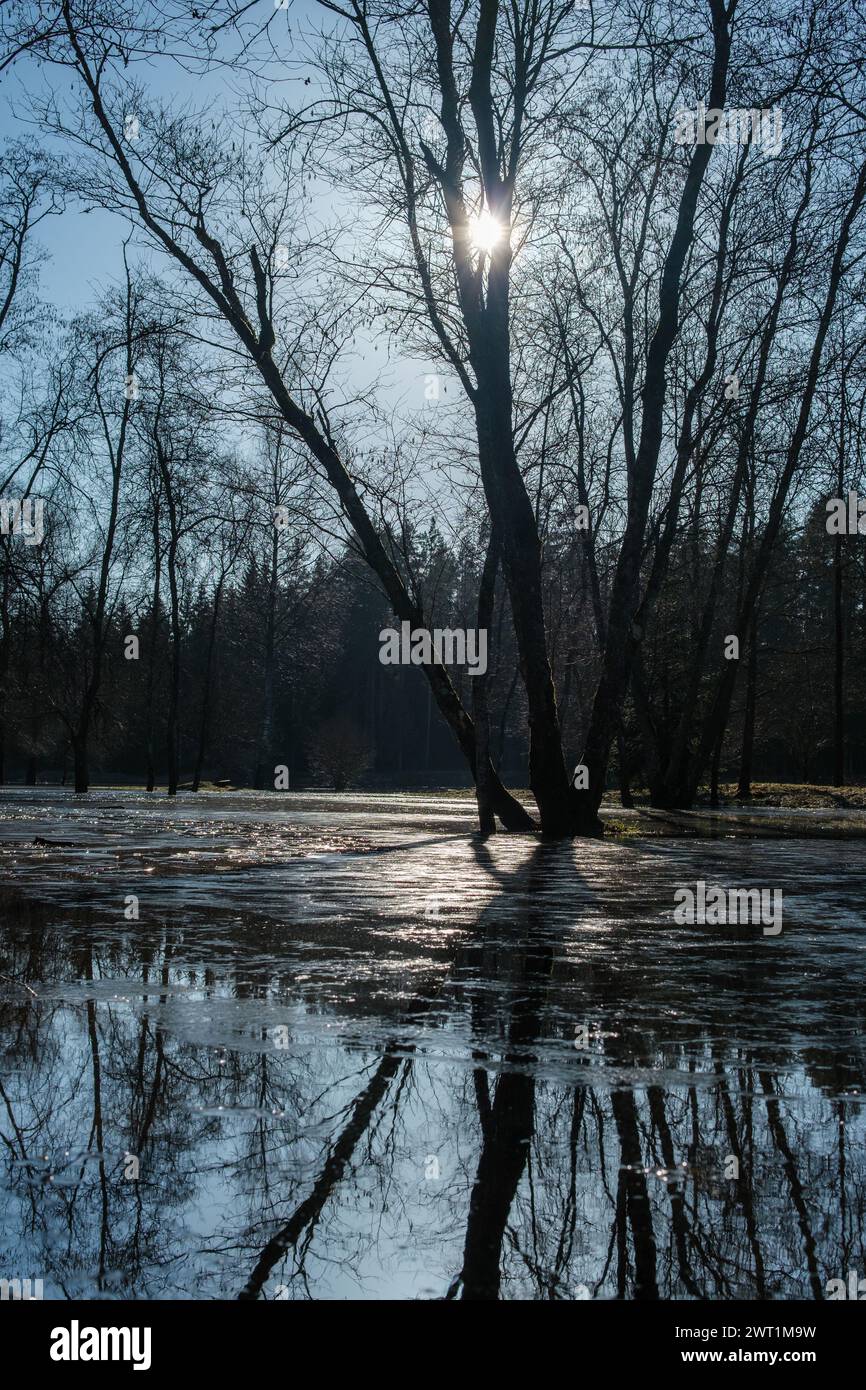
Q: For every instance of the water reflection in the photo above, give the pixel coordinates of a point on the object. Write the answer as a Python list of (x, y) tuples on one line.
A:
[(358, 1096)]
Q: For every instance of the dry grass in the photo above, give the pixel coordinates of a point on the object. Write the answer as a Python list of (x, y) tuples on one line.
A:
[(790, 796), (794, 795)]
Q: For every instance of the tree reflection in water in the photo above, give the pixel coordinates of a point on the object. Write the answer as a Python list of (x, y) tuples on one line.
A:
[(310, 1171)]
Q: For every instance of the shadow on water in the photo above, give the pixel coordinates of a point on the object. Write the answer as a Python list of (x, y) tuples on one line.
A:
[(552, 1094)]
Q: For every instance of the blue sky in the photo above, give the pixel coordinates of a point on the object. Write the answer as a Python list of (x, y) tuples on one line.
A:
[(84, 249)]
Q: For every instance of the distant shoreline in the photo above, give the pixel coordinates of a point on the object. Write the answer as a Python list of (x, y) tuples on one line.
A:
[(775, 811)]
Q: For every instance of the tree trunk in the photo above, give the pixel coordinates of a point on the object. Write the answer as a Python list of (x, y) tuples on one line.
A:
[(718, 712), (838, 625), (513, 518), (98, 625), (168, 483), (5, 652), (501, 1164), (744, 786), (154, 629), (266, 734), (205, 702), (679, 787), (621, 628), (360, 1114), (508, 809), (634, 1205), (714, 774), (259, 344), (174, 687), (838, 668), (480, 710)]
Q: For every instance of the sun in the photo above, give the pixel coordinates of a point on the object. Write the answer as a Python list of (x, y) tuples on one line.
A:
[(485, 232)]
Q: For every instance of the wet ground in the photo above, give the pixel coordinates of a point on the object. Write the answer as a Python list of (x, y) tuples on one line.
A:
[(316, 1047)]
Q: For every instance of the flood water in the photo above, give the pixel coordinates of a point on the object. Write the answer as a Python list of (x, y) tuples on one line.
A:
[(346, 1050)]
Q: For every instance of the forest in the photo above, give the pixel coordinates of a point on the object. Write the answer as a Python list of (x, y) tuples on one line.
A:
[(620, 381)]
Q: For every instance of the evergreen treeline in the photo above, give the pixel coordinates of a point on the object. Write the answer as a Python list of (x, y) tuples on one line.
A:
[(340, 718)]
